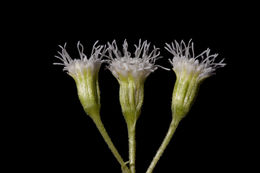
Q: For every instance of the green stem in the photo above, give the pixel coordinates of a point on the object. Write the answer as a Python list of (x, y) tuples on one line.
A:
[(110, 144), (164, 144), (132, 147)]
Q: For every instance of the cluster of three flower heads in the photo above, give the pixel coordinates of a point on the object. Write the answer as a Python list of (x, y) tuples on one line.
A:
[(131, 72)]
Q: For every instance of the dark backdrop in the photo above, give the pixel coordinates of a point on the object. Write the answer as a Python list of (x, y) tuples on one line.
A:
[(56, 135)]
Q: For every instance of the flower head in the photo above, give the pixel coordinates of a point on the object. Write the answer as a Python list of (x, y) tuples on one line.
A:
[(185, 61), (190, 72), (85, 73), (131, 72), (138, 67)]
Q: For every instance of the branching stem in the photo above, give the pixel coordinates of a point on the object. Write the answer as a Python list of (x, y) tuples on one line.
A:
[(110, 144)]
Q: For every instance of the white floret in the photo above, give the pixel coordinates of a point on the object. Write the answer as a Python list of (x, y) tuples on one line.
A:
[(139, 66), (184, 60), (75, 67)]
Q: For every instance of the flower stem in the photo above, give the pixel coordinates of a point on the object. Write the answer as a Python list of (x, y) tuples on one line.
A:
[(132, 147), (110, 144), (164, 144)]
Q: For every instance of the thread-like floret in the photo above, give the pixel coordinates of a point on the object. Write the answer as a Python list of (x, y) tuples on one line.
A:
[(75, 67), (185, 61), (139, 66)]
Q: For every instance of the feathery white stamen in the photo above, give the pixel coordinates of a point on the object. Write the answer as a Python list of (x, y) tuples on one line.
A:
[(75, 67), (139, 66), (184, 60)]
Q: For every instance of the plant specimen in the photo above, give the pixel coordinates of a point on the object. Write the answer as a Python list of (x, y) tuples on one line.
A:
[(131, 71)]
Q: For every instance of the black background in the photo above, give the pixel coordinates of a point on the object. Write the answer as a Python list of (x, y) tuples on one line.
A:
[(52, 132)]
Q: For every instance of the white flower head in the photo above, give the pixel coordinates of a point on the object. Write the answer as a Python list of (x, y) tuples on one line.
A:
[(131, 72), (123, 65), (190, 70), (76, 67), (185, 61), (85, 73)]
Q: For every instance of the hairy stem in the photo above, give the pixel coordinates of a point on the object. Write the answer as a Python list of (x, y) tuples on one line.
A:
[(132, 148), (164, 144), (110, 144)]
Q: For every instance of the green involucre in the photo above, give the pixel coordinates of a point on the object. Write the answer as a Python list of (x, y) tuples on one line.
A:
[(184, 93), (88, 91), (131, 97)]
